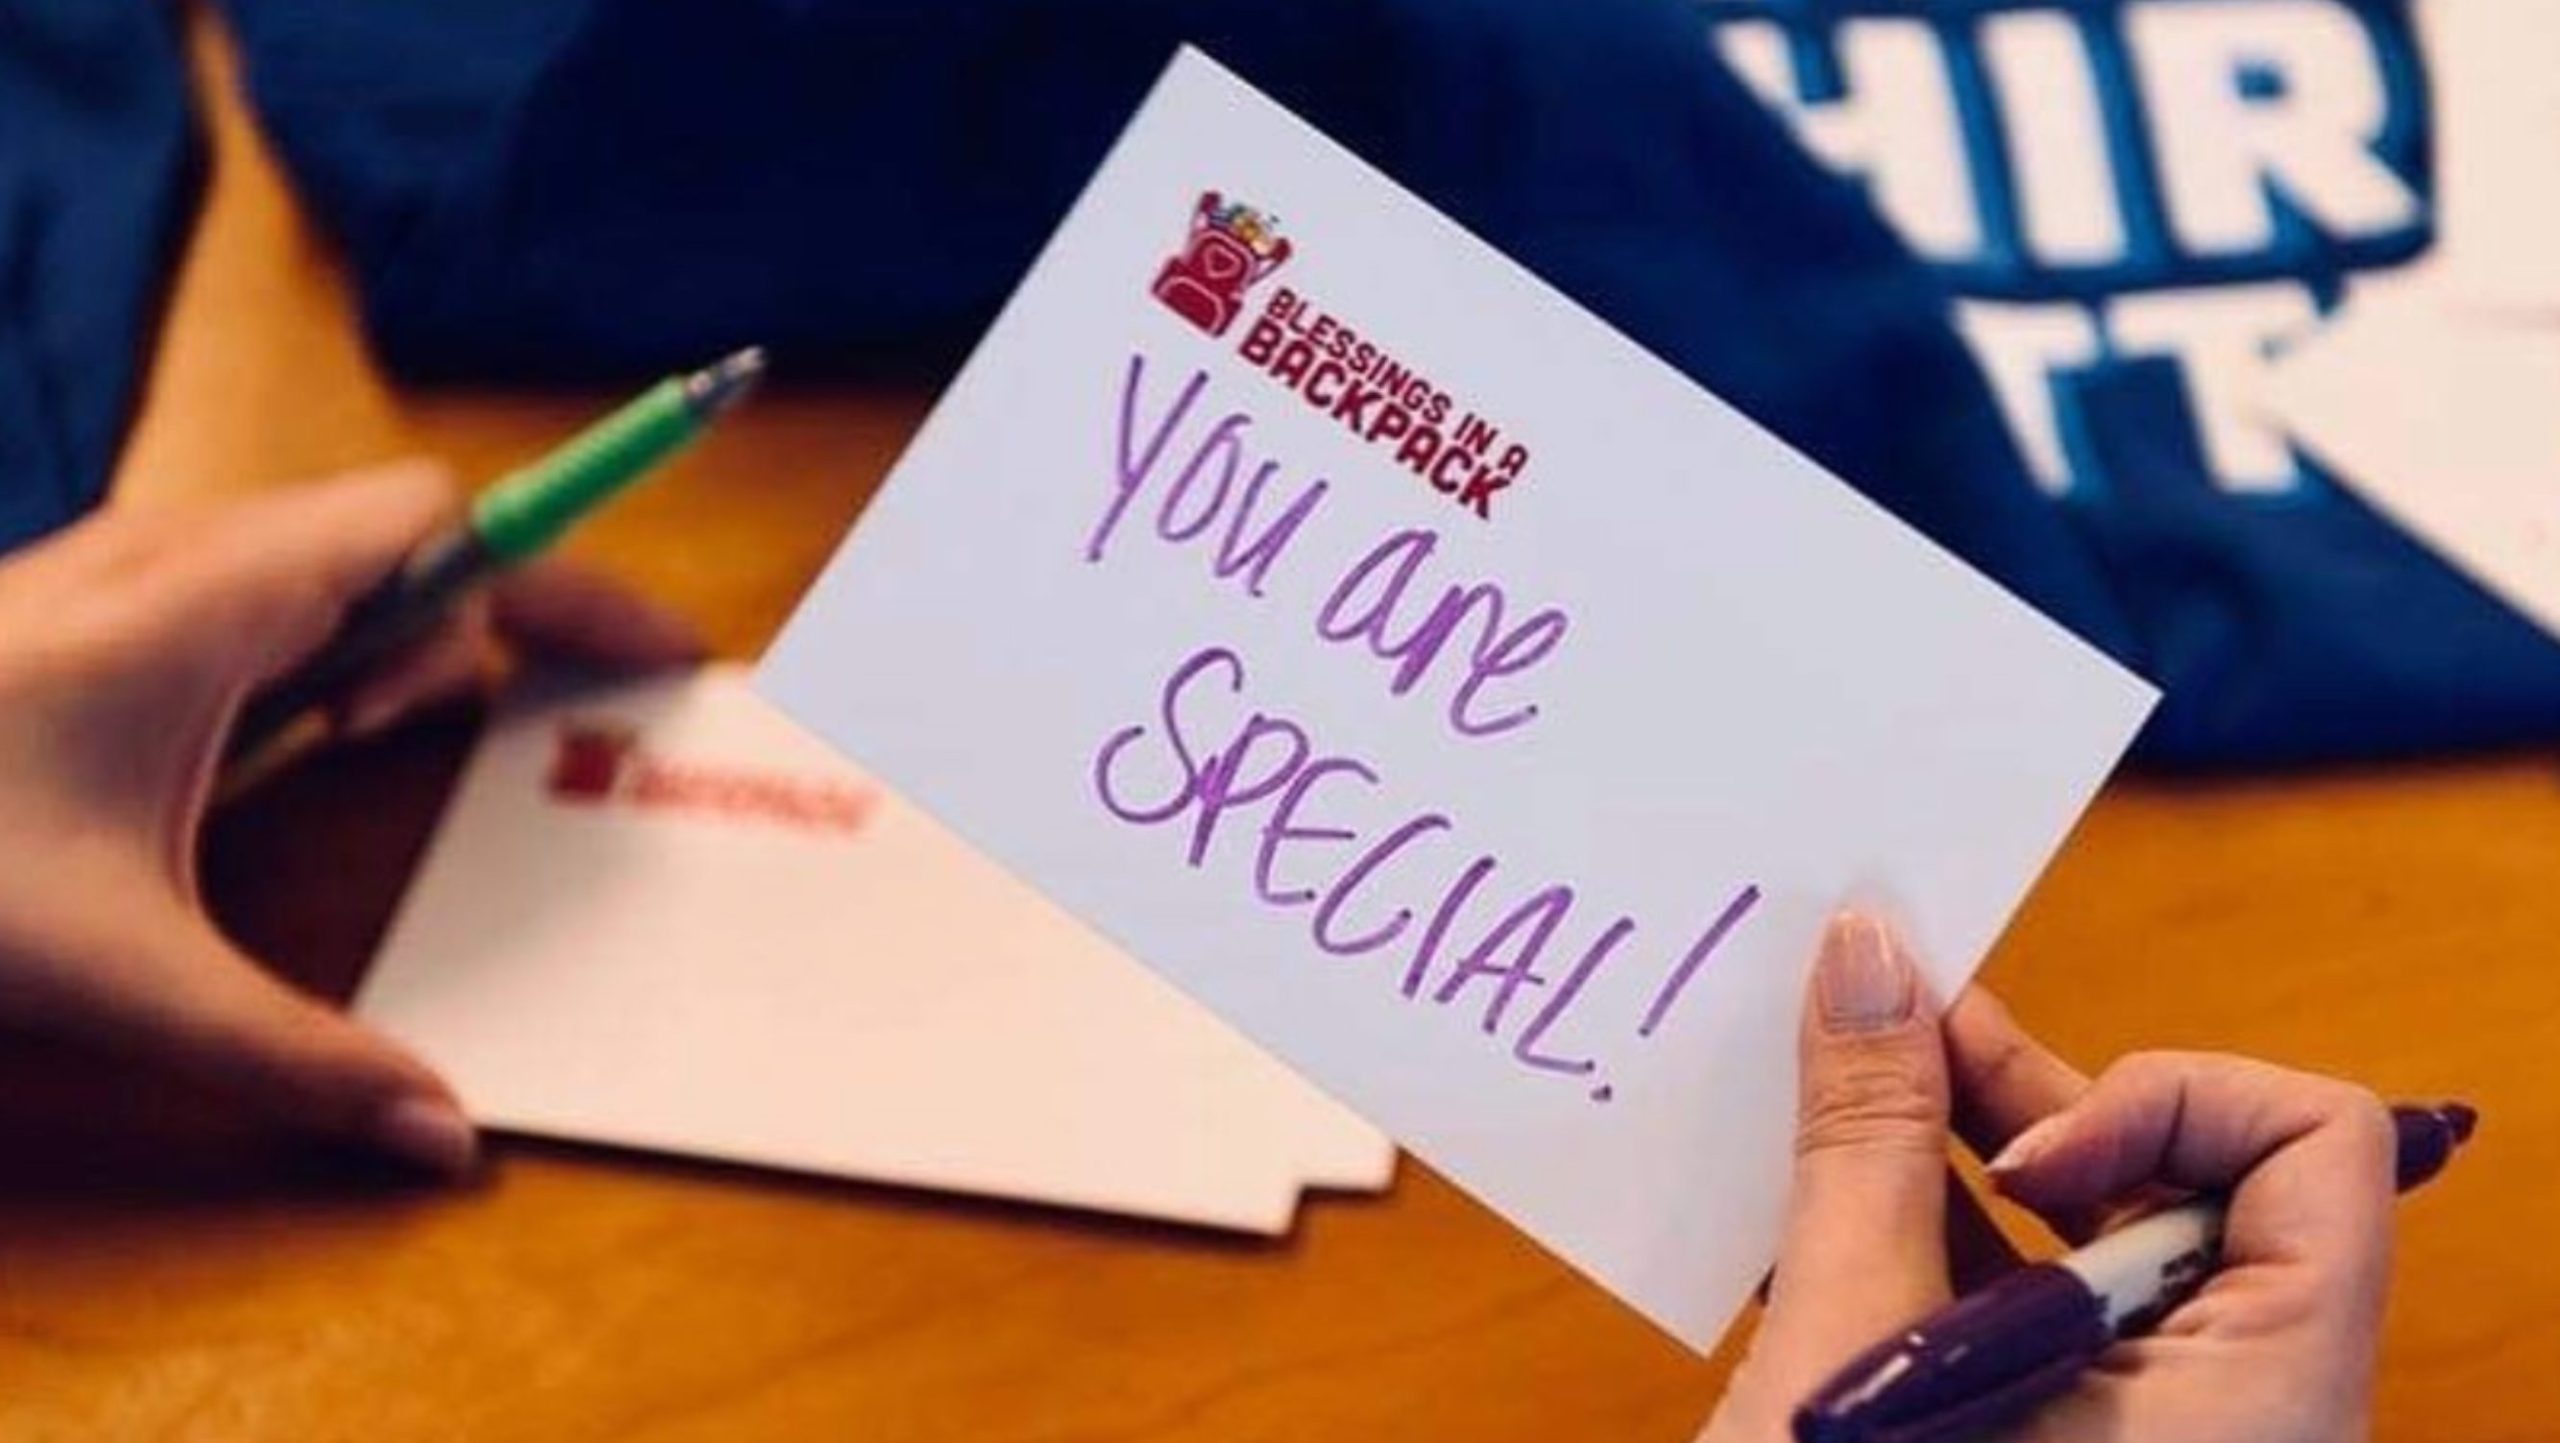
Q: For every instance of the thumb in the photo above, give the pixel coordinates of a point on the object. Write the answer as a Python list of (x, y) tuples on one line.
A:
[(1864, 1250), (265, 581), (169, 992)]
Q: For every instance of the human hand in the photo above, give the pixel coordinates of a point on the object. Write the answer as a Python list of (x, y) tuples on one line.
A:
[(2278, 1347), (126, 646)]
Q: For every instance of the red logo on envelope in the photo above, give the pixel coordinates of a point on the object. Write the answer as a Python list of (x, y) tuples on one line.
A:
[(1231, 248), (599, 762)]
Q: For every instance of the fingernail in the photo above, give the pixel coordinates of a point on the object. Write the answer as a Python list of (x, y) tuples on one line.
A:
[(428, 1132), (2023, 1149), (1865, 985)]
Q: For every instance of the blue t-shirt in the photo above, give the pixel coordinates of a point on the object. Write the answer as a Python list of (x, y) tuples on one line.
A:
[(98, 173)]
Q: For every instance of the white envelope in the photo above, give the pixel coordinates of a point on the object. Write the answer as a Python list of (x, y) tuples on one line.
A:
[(661, 916), (1660, 668), (2496, 79)]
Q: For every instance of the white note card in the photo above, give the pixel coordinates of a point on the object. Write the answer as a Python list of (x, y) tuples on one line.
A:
[(1452, 696)]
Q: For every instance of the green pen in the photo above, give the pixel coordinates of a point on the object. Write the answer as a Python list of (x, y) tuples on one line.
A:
[(509, 522)]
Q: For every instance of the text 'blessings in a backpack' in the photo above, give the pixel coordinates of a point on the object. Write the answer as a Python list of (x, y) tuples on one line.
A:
[(1248, 791)]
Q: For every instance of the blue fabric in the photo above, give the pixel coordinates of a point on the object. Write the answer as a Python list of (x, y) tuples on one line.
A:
[(549, 190), (98, 171)]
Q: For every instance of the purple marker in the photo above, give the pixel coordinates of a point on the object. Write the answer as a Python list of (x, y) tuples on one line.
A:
[(1994, 1355)]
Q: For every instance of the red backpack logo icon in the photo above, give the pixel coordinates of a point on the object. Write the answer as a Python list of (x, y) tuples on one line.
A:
[(588, 762), (1230, 249)]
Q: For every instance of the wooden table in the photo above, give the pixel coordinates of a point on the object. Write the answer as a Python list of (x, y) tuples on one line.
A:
[(168, 1273)]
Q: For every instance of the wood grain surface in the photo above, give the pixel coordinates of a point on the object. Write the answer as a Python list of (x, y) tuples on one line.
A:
[(169, 1272)]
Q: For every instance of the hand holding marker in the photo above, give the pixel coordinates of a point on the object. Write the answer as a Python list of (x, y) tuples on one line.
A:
[(513, 520), (1993, 1355)]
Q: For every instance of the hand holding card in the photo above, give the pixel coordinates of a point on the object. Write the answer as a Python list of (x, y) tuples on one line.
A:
[(1446, 692)]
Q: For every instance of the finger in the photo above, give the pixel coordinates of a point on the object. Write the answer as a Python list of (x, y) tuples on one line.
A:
[(266, 581), (2005, 1080), (170, 993), (1863, 1251), (457, 660), (83, 554), (558, 609), (2307, 1160)]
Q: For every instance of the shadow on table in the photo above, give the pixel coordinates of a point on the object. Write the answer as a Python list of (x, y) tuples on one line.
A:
[(901, 1200), (304, 874)]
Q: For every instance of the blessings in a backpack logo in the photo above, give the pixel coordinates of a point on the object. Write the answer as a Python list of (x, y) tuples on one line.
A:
[(1329, 363), (599, 762)]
